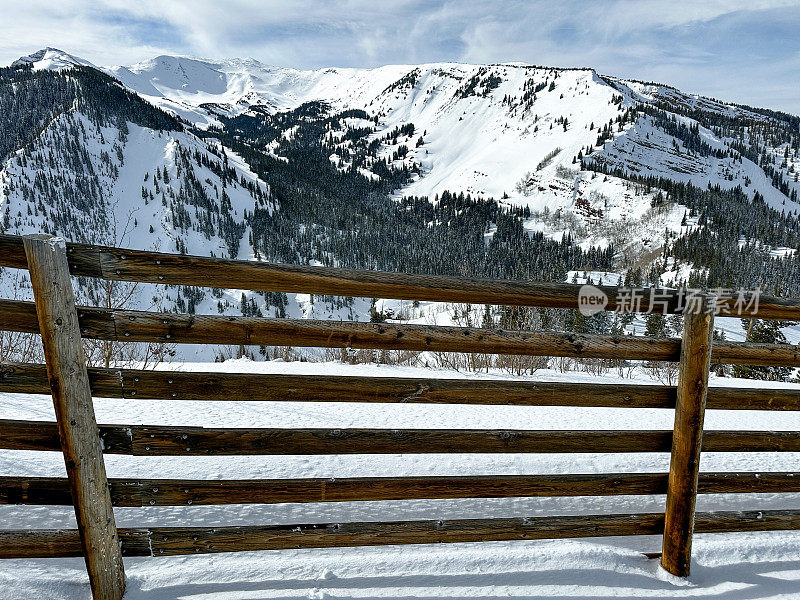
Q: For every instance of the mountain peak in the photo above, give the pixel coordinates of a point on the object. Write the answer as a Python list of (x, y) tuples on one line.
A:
[(51, 59)]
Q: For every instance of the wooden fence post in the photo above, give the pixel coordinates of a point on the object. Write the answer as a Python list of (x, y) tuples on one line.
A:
[(77, 427), (687, 437)]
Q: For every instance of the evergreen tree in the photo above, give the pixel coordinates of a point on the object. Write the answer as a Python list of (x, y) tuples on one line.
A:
[(763, 332)]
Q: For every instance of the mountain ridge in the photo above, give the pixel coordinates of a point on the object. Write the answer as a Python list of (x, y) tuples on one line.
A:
[(511, 171)]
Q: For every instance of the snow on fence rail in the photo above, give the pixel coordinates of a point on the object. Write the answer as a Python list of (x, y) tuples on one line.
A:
[(76, 433)]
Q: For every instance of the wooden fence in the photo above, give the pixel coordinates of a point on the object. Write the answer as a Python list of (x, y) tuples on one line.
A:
[(61, 324)]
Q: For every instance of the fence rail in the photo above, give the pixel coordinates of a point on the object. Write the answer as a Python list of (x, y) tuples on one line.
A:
[(184, 492), (247, 387), (76, 434), (118, 264), (175, 541), (154, 440), (142, 326)]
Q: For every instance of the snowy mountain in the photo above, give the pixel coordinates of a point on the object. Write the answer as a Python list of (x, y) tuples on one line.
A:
[(502, 170), (50, 59), (86, 159), (486, 125), (515, 132)]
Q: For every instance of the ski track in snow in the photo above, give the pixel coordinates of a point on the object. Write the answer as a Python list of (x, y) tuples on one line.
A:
[(751, 565)]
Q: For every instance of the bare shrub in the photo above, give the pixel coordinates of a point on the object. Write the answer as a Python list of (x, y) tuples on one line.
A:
[(594, 366), (664, 371), (20, 347), (563, 364), (520, 364)]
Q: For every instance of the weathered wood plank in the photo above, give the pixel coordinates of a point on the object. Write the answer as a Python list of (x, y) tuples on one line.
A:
[(151, 440), (739, 353), (44, 436), (40, 543), (63, 543), (32, 379), (29, 435), (172, 492), (43, 491), (205, 441), (747, 520), (175, 541), (19, 315), (698, 330), (241, 386), (77, 428), (216, 329), (731, 398), (172, 385), (144, 440), (12, 252), (83, 259), (137, 326), (215, 386), (153, 267), (171, 541), (748, 482), (204, 329)]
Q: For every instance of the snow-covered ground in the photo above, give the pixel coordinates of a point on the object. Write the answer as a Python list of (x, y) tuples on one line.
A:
[(757, 565)]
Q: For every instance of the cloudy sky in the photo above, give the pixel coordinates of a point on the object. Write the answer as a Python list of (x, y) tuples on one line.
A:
[(746, 52)]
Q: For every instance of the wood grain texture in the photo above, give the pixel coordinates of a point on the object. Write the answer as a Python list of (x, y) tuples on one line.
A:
[(30, 378), (181, 441), (173, 492), (698, 330), (139, 326), (12, 252), (77, 427), (172, 541), (216, 386), (145, 440), (216, 329), (154, 267), (740, 353), (171, 385), (19, 315), (63, 543), (151, 440)]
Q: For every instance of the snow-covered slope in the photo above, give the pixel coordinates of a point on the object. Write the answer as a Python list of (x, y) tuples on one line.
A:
[(485, 126), (127, 166), (565, 145), (51, 59), (91, 175), (490, 130), (515, 132)]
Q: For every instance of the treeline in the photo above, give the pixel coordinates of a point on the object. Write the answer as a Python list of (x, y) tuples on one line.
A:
[(30, 100), (342, 217)]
